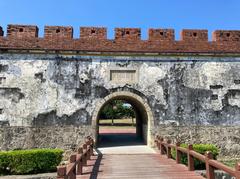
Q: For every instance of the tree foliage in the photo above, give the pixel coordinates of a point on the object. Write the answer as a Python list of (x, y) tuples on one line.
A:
[(117, 109)]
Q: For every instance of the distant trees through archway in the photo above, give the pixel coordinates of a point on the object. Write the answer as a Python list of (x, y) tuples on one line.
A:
[(119, 113), (117, 124)]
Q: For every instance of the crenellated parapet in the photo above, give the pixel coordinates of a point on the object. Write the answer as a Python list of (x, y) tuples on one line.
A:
[(1, 31), (226, 35), (58, 32), (194, 35), (128, 34), (94, 33), (22, 31), (25, 37), (161, 35)]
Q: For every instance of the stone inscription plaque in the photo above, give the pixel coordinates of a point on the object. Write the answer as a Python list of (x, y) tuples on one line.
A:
[(123, 76)]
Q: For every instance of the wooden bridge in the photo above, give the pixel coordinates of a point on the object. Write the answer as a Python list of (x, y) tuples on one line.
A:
[(157, 164)]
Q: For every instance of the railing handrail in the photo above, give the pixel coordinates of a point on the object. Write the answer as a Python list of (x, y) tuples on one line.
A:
[(211, 164), (76, 161)]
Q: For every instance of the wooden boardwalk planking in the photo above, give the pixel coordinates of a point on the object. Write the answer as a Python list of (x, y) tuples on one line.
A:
[(136, 166), (127, 162)]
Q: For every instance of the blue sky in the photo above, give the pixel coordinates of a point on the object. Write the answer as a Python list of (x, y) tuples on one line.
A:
[(177, 14)]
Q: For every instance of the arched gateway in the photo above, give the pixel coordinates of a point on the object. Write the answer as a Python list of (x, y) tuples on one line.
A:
[(144, 116)]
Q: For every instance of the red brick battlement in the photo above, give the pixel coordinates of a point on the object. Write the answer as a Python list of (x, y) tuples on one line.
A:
[(94, 39)]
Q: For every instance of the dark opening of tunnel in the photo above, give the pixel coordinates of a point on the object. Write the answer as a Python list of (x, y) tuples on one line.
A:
[(120, 123)]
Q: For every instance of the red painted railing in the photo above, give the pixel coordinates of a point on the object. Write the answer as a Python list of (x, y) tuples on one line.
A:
[(165, 147), (77, 161)]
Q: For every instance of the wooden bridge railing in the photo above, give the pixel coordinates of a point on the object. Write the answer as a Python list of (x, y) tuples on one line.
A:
[(76, 161), (165, 147)]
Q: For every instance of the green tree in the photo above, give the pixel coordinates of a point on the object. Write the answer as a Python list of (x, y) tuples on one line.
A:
[(117, 109)]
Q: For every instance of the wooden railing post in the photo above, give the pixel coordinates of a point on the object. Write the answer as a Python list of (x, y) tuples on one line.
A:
[(157, 142), (169, 155), (84, 154), (190, 158), (209, 168), (76, 161), (211, 164), (80, 163), (91, 146), (161, 146), (61, 172), (237, 172), (178, 153), (88, 150), (72, 160)]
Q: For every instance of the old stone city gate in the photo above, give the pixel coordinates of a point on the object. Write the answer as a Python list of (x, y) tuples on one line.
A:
[(52, 88)]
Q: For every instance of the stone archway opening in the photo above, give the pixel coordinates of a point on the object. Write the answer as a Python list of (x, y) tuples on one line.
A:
[(143, 118), (117, 125)]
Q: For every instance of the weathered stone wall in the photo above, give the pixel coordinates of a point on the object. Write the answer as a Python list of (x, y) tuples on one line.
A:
[(56, 90), (65, 137)]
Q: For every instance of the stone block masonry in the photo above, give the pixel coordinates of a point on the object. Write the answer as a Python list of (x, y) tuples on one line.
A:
[(226, 138), (65, 137)]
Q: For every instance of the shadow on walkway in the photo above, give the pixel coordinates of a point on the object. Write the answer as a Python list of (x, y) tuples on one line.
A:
[(119, 139), (96, 167)]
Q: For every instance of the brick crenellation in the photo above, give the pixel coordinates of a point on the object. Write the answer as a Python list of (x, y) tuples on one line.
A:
[(126, 40)]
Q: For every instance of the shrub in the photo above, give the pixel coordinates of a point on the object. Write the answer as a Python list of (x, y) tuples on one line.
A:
[(30, 161), (200, 148)]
